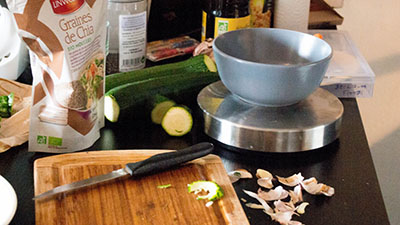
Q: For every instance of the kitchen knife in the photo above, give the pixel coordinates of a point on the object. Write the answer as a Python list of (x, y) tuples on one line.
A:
[(154, 164)]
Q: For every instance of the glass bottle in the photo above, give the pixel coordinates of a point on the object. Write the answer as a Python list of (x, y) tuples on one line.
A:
[(220, 16), (127, 35)]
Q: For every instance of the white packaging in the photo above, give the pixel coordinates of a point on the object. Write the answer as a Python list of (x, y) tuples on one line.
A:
[(292, 14), (67, 41)]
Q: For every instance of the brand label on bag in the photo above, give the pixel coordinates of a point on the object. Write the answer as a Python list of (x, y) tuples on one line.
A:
[(66, 6)]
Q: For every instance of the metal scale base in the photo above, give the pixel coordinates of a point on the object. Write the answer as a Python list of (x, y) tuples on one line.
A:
[(309, 124)]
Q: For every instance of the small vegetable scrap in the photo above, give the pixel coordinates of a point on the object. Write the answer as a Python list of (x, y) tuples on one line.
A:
[(239, 174), (264, 178), (313, 187), (164, 186), (273, 194), (6, 103), (282, 211), (318, 35), (292, 180), (211, 189), (205, 48)]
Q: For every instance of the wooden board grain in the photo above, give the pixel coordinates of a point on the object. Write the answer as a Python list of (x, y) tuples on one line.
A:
[(132, 201)]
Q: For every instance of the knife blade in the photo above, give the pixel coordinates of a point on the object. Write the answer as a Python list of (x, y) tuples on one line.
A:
[(152, 165)]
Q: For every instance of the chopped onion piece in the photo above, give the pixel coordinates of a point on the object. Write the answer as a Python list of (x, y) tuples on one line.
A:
[(283, 218), (312, 186), (301, 208), (260, 173), (205, 48), (265, 182), (273, 194), (254, 206), (233, 177), (292, 180), (208, 204), (296, 195), (293, 222), (281, 206), (239, 174), (267, 208)]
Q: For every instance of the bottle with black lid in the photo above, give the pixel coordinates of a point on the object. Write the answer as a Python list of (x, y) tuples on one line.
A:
[(220, 16)]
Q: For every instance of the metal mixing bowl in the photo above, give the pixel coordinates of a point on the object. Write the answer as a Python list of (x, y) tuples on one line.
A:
[(271, 67)]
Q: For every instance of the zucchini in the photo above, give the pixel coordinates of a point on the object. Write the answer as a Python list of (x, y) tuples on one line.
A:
[(178, 121), (160, 105), (200, 63), (214, 191), (129, 99)]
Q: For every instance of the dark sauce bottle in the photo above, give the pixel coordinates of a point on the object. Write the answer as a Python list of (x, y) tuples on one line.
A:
[(220, 16)]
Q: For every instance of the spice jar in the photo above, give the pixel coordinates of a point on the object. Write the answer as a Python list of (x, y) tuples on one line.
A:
[(127, 35), (220, 16)]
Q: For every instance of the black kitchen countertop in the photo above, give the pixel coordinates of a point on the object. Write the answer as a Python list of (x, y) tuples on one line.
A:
[(345, 164)]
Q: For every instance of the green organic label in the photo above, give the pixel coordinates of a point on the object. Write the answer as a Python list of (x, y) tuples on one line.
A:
[(41, 140), (55, 141), (222, 27)]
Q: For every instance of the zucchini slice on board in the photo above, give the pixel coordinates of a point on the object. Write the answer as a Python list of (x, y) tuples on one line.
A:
[(214, 191), (178, 121)]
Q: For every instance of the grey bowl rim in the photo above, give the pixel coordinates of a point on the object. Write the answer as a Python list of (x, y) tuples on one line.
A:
[(215, 48)]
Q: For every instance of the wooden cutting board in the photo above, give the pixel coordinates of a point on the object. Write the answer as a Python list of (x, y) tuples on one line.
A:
[(132, 201)]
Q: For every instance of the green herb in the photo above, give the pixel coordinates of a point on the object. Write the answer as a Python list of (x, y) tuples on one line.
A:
[(6, 103), (164, 186)]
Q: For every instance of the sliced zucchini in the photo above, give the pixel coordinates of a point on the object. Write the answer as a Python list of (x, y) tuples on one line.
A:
[(133, 98), (160, 106), (177, 121), (214, 191), (111, 108)]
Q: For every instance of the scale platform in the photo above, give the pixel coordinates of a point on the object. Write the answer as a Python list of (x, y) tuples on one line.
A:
[(309, 124)]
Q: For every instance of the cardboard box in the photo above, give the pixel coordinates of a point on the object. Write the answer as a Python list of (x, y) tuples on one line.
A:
[(335, 3)]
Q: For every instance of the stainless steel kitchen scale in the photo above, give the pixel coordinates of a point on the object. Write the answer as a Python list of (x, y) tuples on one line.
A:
[(309, 124)]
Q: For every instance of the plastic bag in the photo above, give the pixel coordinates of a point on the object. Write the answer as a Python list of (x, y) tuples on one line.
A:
[(67, 42)]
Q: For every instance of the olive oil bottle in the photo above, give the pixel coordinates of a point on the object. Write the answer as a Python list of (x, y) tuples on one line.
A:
[(220, 16)]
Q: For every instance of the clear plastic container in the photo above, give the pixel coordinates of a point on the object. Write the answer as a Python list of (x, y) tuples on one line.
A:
[(348, 75), (127, 35)]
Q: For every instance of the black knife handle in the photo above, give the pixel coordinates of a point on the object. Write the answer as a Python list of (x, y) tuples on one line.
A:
[(160, 162)]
